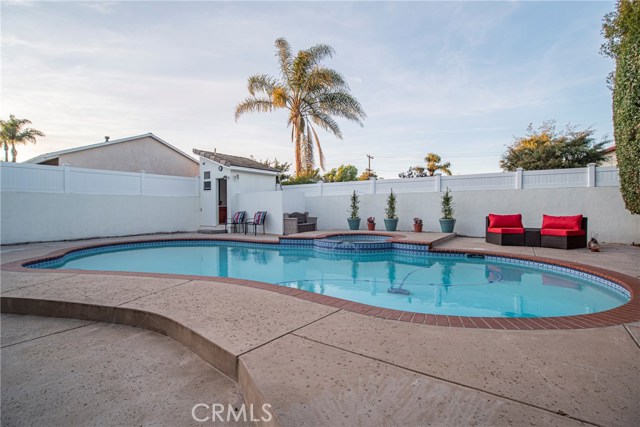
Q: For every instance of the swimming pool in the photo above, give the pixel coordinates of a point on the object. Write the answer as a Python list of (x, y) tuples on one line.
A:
[(408, 280)]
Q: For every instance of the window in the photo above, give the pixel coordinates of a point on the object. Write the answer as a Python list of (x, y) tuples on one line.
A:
[(207, 175), (207, 185)]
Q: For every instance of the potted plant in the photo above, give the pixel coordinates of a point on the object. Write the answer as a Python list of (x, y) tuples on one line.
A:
[(447, 222), (417, 225), (391, 221), (354, 219), (371, 223)]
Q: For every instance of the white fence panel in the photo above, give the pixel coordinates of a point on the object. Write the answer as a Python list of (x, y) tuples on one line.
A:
[(31, 178), (308, 189), (345, 188), (555, 178), (406, 185), (499, 181), (163, 185), (92, 181), (16, 177), (607, 177)]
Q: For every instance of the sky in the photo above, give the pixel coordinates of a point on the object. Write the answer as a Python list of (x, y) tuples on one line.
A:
[(460, 79)]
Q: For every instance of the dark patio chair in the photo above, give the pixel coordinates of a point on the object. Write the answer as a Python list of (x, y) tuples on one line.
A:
[(563, 232), (504, 230)]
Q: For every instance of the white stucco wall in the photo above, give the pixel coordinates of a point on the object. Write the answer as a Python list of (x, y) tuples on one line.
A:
[(270, 201), (602, 205), (37, 217), (239, 182), (276, 203), (133, 156)]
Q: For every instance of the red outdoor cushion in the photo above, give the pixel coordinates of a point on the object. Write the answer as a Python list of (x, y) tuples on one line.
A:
[(506, 230), (561, 232), (508, 221), (562, 222)]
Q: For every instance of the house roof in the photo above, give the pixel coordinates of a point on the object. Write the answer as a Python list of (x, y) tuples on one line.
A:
[(48, 156), (234, 161), (610, 149)]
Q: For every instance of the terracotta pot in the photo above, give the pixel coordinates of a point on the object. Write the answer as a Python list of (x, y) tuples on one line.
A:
[(417, 228), (370, 226)]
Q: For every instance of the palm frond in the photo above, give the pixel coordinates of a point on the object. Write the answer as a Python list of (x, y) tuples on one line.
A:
[(319, 52), (327, 123), (250, 105), (325, 78), (341, 103), (320, 152), (261, 83), (283, 52)]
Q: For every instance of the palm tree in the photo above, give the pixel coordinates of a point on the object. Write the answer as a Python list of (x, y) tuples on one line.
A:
[(312, 93), (433, 164), (12, 132)]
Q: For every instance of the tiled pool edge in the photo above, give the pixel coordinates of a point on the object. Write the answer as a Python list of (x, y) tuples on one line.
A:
[(626, 313)]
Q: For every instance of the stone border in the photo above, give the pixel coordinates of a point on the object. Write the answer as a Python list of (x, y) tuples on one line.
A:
[(627, 313)]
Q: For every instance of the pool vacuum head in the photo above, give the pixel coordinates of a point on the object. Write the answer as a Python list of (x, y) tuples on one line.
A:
[(398, 291)]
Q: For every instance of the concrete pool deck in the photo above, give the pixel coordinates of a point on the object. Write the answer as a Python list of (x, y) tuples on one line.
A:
[(322, 365)]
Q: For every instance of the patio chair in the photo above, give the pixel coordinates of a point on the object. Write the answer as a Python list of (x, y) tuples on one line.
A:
[(237, 221), (505, 230), (563, 232), (258, 219)]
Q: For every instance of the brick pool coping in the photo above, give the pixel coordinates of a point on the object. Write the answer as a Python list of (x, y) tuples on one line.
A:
[(627, 313)]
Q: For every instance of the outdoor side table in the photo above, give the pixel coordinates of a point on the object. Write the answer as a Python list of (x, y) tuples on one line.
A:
[(532, 237)]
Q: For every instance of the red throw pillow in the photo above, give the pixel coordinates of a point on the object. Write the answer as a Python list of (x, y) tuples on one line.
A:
[(562, 222), (505, 221)]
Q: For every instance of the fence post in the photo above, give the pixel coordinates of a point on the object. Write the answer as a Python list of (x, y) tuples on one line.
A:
[(320, 188), (142, 179), (66, 178), (591, 175), (372, 188), (438, 183), (519, 179)]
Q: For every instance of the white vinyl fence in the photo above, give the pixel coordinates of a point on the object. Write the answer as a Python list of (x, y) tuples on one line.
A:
[(591, 176), (591, 191), (17, 177), (45, 203)]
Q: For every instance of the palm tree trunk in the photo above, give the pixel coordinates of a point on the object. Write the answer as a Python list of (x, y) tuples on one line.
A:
[(6, 152), (298, 148), (14, 153)]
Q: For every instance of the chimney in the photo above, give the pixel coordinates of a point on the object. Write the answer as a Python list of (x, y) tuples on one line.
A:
[(106, 139)]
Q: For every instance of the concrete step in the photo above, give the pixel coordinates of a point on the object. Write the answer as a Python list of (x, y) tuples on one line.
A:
[(212, 230)]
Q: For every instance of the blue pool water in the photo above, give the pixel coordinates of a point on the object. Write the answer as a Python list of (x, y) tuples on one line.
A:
[(419, 282)]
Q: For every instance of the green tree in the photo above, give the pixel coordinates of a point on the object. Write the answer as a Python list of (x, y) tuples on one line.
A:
[(276, 164), (548, 149), (312, 94), (367, 175), (621, 28), (433, 165), (343, 173), (13, 132), (309, 176), (390, 210)]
